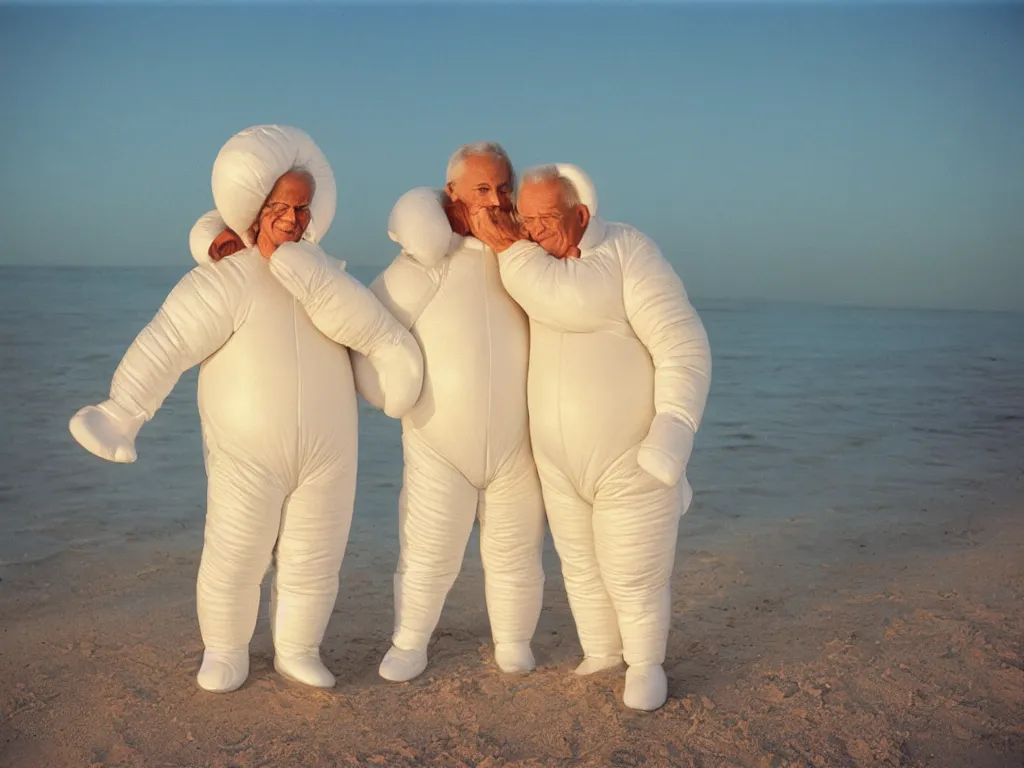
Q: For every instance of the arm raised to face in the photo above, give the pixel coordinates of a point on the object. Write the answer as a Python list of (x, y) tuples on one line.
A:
[(557, 208), (557, 292)]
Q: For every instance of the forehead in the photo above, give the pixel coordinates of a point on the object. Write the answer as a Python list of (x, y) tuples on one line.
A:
[(292, 186), (485, 169), (539, 196)]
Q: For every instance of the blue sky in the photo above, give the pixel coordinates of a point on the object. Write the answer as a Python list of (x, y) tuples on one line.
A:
[(813, 151)]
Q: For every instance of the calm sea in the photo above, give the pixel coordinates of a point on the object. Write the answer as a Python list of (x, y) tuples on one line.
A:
[(814, 411)]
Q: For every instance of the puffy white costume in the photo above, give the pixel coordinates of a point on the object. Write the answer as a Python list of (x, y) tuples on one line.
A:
[(620, 368), (619, 373), (466, 441), (278, 410)]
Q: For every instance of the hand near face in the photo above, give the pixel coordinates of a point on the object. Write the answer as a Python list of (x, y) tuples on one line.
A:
[(458, 216), (495, 228), (226, 243)]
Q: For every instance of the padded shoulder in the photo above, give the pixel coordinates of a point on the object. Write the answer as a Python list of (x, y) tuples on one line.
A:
[(420, 226)]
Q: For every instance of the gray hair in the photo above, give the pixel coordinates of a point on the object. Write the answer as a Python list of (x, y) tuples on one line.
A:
[(307, 175), (477, 148), (541, 173)]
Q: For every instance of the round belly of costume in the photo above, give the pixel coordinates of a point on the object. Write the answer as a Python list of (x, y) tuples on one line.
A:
[(275, 382), (475, 343), (591, 396)]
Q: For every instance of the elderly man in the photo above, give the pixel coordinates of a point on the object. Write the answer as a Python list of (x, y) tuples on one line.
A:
[(276, 400), (619, 373), (466, 442)]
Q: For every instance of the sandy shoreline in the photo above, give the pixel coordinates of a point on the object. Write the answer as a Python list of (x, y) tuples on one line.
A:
[(828, 642)]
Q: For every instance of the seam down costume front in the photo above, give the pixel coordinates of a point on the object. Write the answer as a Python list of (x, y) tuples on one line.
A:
[(466, 441), (278, 411)]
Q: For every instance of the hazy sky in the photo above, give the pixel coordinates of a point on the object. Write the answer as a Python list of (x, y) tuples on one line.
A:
[(808, 151)]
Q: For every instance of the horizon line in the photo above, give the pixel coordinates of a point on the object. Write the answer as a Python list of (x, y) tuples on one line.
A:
[(839, 304)]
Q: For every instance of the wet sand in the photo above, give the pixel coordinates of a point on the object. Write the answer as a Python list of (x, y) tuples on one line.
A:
[(839, 640)]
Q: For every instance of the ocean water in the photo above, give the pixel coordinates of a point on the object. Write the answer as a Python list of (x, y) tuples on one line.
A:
[(869, 415)]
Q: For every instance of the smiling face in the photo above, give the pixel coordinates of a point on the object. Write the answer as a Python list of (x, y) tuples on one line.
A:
[(556, 227), (285, 214)]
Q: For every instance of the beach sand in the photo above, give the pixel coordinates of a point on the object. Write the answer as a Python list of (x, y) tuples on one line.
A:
[(843, 639), (849, 586)]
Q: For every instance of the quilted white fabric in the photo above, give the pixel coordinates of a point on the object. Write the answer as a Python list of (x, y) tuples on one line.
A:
[(466, 441), (278, 408)]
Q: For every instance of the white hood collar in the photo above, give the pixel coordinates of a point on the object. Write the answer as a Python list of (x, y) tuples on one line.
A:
[(251, 162)]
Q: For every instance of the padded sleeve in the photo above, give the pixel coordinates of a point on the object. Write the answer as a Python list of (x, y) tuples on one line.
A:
[(662, 317), (346, 311)]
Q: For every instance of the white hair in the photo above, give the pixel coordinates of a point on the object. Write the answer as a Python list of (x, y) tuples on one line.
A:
[(541, 173), (307, 175), (476, 149)]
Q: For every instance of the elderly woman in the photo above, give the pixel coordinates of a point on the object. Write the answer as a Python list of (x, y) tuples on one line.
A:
[(276, 399)]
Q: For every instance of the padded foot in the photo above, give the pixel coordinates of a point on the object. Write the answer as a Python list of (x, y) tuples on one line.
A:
[(646, 687), (223, 671), (592, 664), (308, 670), (514, 658), (400, 665)]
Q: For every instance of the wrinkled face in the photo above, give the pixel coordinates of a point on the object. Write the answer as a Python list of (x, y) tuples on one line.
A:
[(553, 225), (285, 215), (485, 181)]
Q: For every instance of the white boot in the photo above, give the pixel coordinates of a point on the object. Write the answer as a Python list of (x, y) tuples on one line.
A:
[(646, 687), (301, 664), (592, 664), (401, 665), (308, 670), (514, 657), (223, 671)]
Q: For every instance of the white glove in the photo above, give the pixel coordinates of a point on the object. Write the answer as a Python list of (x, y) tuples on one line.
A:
[(400, 368), (107, 430), (665, 452)]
